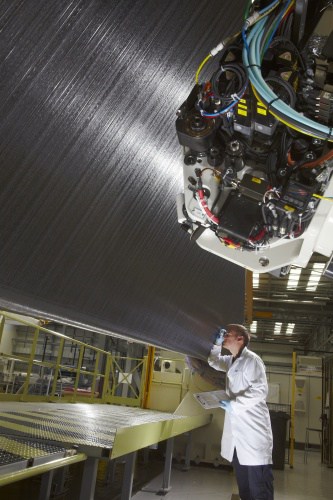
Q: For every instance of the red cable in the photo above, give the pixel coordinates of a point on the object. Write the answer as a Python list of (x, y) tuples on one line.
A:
[(204, 205)]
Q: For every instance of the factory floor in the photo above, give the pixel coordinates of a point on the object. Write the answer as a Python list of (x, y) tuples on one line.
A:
[(311, 481)]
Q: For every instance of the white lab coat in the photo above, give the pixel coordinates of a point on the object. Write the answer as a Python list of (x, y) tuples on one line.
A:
[(247, 424)]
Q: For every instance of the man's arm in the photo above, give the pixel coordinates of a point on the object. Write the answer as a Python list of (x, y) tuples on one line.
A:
[(216, 361)]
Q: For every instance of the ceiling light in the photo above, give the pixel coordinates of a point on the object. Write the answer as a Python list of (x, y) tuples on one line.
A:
[(314, 278), (294, 276), (290, 328), (253, 327), (255, 280), (277, 328)]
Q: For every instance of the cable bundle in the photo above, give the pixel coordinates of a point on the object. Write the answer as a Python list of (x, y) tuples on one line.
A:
[(258, 33)]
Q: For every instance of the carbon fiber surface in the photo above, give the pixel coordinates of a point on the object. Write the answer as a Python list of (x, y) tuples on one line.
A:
[(90, 168)]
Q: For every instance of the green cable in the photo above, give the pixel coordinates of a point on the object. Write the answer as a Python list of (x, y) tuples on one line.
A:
[(247, 10)]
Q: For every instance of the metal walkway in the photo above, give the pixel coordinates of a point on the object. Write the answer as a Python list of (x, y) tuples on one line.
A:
[(93, 431)]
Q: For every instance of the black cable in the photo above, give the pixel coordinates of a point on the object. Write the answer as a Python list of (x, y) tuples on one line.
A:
[(287, 26), (286, 86), (285, 145), (241, 76), (271, 167), (251, 152)]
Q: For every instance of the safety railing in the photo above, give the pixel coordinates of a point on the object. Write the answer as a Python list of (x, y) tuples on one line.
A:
[(52, 366)]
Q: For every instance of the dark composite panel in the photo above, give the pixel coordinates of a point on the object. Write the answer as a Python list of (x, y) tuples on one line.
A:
[(90, 167)]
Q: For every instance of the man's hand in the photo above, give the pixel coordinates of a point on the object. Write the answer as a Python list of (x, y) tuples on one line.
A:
[(225, 405), (219, 336)]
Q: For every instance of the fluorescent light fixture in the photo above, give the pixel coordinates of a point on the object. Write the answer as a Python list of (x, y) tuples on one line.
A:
[(255, 280), (253, 327), (290, 328), (314, 278), (277, 328), (294, 276)]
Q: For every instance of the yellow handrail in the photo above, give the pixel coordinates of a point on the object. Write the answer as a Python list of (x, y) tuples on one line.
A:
[(112, 376), (148, 376)]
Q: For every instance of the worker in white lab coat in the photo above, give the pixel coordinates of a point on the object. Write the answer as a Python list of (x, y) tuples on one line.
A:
[(247, 435)]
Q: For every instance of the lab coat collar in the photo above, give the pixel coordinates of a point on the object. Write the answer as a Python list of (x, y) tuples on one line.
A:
[(240, 354)]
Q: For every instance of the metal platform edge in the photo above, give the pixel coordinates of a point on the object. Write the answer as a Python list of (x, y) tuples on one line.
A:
[(36, 470), (131, 439)]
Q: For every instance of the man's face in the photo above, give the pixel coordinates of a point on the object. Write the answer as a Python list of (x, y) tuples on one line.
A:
[(232, 340)]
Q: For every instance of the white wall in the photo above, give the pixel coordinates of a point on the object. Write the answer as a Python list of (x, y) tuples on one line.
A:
[(6, 345), (313, 401)]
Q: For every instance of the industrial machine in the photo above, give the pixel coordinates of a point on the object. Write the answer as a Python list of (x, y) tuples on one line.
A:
[(257, 137)]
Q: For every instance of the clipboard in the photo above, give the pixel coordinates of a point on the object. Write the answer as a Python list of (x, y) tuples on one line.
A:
[(211, 399)]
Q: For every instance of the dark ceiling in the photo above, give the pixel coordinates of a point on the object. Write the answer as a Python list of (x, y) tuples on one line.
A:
[(91, 166)]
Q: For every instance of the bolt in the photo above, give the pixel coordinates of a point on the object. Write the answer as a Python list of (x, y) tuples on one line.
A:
[(234, 146), (214, 152), (263, 261), (190, 160), (197, 123)]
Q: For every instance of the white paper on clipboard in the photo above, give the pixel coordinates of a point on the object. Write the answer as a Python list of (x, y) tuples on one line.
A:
[(210, 399)]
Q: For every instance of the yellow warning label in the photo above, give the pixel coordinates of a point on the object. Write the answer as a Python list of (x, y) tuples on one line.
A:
[(262, 111), (242, 112), (289, 208)]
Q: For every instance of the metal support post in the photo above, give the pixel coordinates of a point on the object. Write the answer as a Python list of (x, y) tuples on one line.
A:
[(89, 479), (45, 486), (59, 480), (126, 490), (166, 484), (111, 471), (146, 455), (187, 464)]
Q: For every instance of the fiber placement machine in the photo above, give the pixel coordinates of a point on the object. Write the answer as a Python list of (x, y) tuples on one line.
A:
[(257, 137)]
